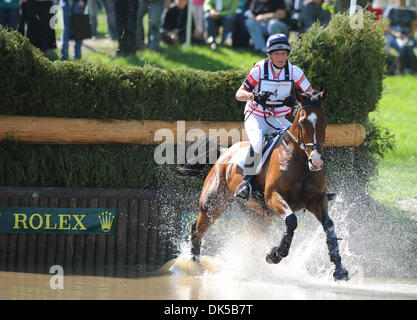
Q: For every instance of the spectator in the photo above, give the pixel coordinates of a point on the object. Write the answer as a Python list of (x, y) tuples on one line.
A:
[(241, 36), (198, 16), (313, 12), (401, 25), (110, 9), (265, 18), (154, 9), (93, 7), (220, 13), (174, 22), (35, 24), (126, 16), (77, 7), (377, 11), (9, 13)]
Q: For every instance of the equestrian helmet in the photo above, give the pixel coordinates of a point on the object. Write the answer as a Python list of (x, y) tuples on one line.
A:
[(276, 42)]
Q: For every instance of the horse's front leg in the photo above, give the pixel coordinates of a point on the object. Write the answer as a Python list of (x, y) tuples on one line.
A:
[(278, 205), (340, 272), (320, 211)]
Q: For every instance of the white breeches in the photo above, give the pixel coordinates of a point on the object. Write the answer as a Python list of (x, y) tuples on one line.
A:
[(256, 129)]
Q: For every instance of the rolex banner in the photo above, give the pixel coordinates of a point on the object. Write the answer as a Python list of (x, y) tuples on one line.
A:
[(57, 220)]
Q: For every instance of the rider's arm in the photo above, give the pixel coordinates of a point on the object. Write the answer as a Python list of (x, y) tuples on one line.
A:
[(245, 91), (242, 94), (300, 80)]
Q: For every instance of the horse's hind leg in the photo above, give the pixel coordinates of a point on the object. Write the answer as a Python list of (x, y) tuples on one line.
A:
[(211, 208)]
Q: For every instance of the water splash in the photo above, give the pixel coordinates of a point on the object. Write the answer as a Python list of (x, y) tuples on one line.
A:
[(374, 244)]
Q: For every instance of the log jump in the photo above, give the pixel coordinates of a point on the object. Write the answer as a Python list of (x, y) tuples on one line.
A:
[(51, 130)]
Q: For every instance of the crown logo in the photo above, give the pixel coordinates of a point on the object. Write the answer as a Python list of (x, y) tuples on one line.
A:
[(106, 220)]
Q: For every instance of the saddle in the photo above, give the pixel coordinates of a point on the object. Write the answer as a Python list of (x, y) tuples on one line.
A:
[(257, 191)]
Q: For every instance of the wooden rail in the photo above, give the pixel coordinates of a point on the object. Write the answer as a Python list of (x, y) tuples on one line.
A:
[(49, 130)]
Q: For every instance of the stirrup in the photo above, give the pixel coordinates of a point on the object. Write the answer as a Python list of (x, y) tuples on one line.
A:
[(240, 188)]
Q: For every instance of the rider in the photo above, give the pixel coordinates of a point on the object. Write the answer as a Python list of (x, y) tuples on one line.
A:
[(269, 83)]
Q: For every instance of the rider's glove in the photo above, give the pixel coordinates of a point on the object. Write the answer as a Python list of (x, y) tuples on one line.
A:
[(261, 98), (290, 101)]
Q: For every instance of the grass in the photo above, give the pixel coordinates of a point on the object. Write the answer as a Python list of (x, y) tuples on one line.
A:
[(397, 110)]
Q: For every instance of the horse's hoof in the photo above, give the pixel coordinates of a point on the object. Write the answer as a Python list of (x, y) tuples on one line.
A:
[(273, 258), (195, 259), (341, 274), (331, 196)]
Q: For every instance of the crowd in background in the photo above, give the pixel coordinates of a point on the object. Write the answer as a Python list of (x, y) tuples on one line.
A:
[(237, 23)]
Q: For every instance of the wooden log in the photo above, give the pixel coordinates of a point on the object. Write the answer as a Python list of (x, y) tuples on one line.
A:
[(49, 130)]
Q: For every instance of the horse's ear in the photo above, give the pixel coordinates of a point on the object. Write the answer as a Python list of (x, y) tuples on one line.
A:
[(323, 93)]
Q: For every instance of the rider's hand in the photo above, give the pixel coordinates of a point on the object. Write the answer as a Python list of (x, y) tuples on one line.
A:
[(261, 97)]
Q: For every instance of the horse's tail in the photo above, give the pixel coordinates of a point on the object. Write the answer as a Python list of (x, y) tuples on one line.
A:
[(200, 158)]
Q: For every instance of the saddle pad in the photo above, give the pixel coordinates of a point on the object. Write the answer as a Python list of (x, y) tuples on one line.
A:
[(240, 156)]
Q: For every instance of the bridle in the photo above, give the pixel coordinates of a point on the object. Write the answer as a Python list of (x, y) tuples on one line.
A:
[(300, 141)]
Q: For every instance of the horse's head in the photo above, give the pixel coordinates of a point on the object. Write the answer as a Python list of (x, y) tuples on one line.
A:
[(309, 127)]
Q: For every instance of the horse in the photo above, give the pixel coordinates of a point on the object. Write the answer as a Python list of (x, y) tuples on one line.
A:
[(292, 178)]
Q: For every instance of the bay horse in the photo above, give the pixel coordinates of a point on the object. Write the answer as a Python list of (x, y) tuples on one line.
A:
[(293, 178)]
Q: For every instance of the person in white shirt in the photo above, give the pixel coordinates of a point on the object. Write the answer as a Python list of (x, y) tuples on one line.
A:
[(269, 84)]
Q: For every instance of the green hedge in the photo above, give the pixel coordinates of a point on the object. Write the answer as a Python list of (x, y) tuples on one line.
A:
[(39, 87), (348, 62)]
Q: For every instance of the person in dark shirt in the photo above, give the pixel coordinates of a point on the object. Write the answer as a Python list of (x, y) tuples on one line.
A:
[(174, 22), (401, 25), (35, 24), (313, 12), (265, 17)]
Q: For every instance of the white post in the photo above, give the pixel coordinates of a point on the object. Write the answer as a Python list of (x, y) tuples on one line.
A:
[(189, 23), (352, 8)]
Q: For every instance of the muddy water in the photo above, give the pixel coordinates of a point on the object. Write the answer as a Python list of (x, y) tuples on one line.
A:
[(182, 279)]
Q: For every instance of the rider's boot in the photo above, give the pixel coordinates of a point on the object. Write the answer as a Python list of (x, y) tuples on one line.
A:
[(244, 190)]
